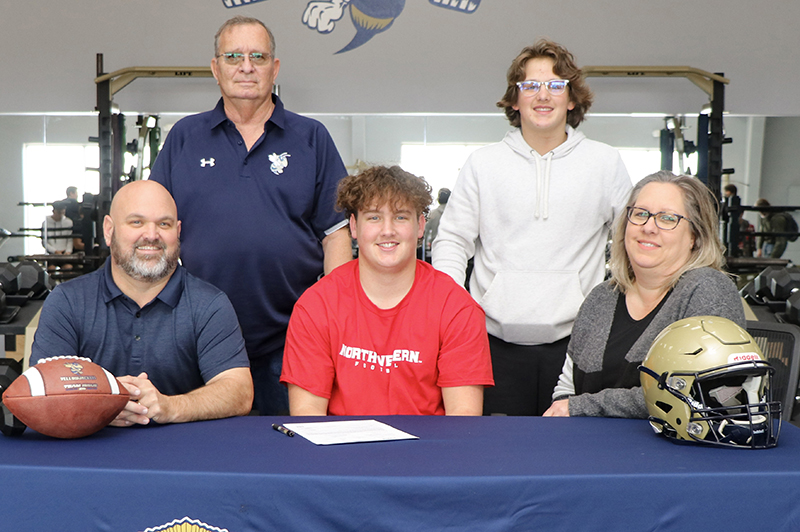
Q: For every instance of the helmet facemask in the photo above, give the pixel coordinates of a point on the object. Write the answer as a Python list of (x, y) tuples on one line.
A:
[(738, 406)]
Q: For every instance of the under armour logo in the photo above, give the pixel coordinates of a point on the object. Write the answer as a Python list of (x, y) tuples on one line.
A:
[(279, 162), (204, 162)]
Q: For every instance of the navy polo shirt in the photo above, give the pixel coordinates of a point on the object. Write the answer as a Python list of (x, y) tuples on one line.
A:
[(253, 221), (182, 339)]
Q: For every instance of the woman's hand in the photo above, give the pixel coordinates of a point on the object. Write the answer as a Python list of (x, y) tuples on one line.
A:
[(558, 409)]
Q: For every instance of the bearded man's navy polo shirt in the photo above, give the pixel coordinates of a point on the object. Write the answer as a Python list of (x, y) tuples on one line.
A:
[(253, 222), (182, 339)]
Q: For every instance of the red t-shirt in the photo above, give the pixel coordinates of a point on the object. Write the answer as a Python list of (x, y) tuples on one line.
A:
[(372, 361)]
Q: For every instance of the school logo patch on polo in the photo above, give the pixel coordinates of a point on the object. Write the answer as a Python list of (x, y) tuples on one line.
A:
[(279, 162)]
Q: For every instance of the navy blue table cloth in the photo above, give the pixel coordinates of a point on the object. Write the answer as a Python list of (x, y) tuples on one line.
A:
[(465, 474)]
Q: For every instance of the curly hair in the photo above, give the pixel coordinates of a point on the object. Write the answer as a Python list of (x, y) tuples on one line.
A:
[(701, 209), (564, 66), (379, 185)]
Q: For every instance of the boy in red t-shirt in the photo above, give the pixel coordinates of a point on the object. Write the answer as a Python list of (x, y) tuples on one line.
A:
[(386, 334)]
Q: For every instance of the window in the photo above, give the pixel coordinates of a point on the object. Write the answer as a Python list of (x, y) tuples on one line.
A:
[(48, 169), (642, 162), (439, 164)]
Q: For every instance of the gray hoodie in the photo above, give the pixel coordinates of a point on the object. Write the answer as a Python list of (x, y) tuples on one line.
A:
[(537, 227)]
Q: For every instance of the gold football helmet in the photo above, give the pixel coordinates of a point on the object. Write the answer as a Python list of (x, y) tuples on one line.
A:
[(705, 380)]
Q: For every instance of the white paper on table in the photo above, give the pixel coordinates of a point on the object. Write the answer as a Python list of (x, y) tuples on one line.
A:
[(349, 431)]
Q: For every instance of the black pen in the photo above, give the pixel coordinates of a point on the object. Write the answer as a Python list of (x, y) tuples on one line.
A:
[(281, 428)]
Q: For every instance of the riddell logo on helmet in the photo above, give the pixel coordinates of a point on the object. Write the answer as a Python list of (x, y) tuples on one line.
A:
[(743, 357)]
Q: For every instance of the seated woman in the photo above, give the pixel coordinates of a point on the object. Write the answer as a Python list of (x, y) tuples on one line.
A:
[(666, 264)]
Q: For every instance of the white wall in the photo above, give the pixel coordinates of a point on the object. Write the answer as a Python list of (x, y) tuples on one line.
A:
[(430, 60)]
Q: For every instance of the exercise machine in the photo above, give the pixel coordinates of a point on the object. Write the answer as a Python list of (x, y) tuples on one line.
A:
[(111, 129), (710, 132)]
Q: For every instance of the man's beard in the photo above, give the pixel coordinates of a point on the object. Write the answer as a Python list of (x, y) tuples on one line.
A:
[(148, 269)]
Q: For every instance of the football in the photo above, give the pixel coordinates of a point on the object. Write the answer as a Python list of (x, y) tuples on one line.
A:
[(66, 397)]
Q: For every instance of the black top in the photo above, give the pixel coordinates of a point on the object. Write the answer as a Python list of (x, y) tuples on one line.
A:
[(617, 372)]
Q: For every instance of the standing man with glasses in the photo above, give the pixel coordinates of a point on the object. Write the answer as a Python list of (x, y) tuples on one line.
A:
[(535, 212), (255, 187)]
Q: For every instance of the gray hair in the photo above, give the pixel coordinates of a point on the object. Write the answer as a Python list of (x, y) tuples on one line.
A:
[(240, 20)]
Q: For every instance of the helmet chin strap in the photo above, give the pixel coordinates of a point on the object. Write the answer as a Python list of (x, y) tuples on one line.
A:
[(743, 432)]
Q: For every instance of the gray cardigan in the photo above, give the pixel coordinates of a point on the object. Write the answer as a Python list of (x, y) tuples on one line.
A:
[(699, 292)]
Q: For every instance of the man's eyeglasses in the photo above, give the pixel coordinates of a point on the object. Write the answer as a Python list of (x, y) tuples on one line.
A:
[(664, 220), (236, 58), (554, 86)]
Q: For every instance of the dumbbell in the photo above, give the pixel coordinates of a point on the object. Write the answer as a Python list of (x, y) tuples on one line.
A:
[(761, 283), (10, 277), (793, 308), (10, 369), (785, 282), (34, 278)]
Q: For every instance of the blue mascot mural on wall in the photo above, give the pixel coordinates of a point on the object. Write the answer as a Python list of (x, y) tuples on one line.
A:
[(370, 17)]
